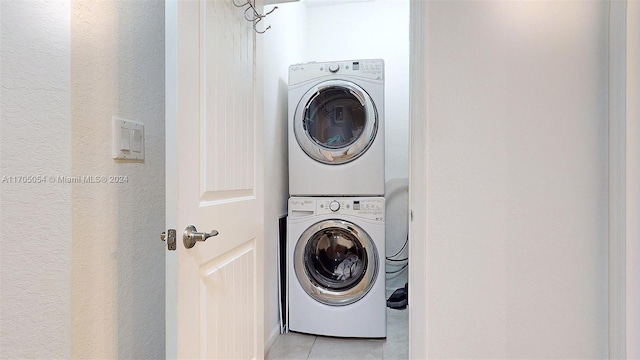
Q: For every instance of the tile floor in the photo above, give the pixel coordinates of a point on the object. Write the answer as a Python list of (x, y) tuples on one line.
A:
[(303, 346)]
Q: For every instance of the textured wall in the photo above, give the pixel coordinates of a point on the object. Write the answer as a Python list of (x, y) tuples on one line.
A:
[(35, 221), (117, 64), (517, 179)]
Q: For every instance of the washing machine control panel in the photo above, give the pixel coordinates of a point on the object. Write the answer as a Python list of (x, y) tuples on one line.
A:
[(370, 208), (369, 69)]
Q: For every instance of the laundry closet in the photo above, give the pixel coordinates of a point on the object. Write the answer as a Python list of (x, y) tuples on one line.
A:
[(323, 31)]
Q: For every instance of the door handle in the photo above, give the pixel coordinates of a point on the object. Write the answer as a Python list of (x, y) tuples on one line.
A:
[(191, 235)]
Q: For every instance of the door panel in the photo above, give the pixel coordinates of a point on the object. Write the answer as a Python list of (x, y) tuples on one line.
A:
[(227, 65), (227, 329), (219, 177)]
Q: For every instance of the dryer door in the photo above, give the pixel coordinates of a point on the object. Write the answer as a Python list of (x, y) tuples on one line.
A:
[(336, 262), (335, 122)]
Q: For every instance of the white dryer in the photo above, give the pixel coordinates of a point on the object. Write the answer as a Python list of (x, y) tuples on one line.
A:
[(335, 267), (336, 128)]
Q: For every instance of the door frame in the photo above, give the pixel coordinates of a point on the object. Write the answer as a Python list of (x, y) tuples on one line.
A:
[(418, 144), (624, 179), (617, 178), (171, 166), (633, 180)]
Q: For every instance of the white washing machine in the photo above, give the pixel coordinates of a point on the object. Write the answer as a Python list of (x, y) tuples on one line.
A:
[(336, 128), (335, 269)]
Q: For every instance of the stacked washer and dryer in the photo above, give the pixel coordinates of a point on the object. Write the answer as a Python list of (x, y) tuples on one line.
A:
[(336, 217)]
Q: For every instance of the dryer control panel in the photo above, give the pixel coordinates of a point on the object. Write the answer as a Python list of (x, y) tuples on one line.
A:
[(372, 69), (365, 207)]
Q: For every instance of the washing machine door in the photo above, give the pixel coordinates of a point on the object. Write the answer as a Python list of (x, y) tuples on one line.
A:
[(335, 122), (336, 262)]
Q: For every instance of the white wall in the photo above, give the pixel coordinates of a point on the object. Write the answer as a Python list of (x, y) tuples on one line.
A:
[(35, 221), (362, 30), (517, 179), (283, 46), (117, 68)]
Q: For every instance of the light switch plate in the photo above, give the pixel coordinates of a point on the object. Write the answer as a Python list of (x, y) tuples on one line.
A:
[(127, 139)]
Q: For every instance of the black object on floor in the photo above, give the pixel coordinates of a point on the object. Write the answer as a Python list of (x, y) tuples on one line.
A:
[(399, 298), (282, 275)]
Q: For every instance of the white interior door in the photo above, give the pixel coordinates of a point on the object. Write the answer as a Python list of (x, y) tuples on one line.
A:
[(214, 181)]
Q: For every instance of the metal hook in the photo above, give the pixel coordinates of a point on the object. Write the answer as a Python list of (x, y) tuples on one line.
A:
[(236, 5), (256, 23), (259, 18), (254, 16), (272, 10)]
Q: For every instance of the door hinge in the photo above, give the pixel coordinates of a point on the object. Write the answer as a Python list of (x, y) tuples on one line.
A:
[(170, 238)]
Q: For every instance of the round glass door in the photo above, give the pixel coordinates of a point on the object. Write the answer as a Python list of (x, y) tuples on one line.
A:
[(335, 122), (336, 262)]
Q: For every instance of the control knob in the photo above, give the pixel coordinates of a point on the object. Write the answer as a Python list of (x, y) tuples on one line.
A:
[(334, 206), (334, 68)]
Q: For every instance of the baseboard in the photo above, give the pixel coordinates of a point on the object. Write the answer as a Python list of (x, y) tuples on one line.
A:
[(272, 338)]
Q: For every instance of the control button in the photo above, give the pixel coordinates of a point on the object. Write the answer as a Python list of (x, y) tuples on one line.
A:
[(334, 206), (334, 68)]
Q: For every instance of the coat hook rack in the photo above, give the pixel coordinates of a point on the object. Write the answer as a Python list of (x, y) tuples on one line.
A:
[(252, 15)]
